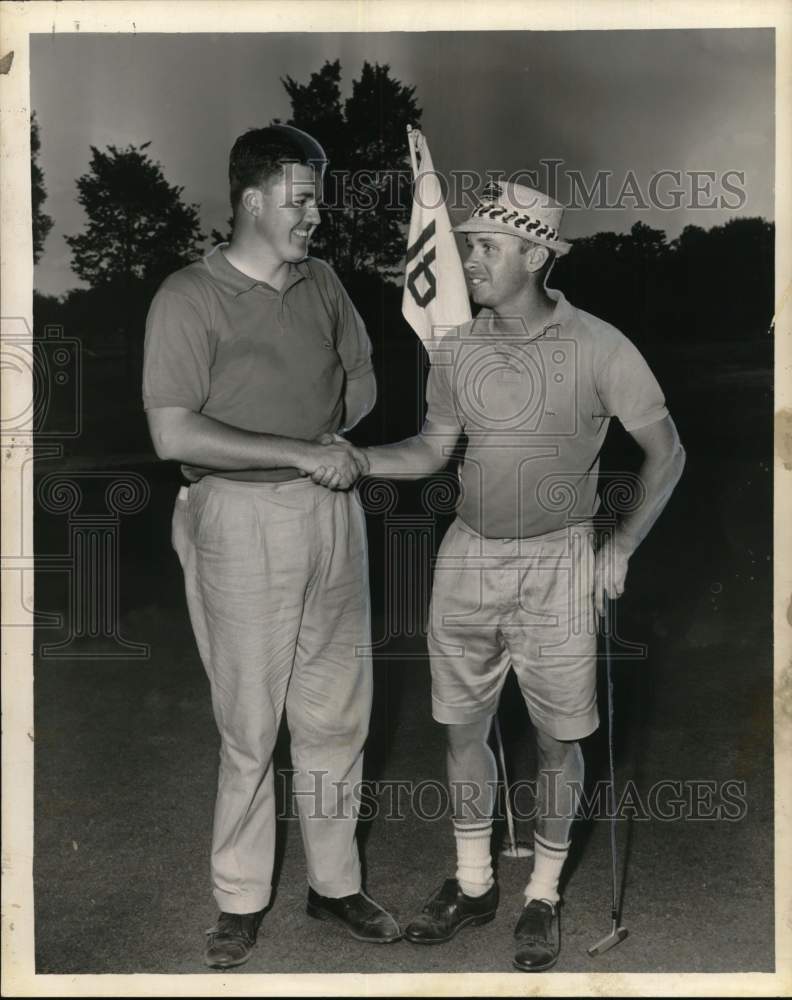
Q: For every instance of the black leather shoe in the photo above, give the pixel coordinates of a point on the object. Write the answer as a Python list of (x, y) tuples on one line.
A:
[(358, 914), (231, 939), (537, 937), (448, 911)]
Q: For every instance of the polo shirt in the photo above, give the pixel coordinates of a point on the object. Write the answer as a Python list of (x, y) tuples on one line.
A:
[(221, 343), (535, 408)]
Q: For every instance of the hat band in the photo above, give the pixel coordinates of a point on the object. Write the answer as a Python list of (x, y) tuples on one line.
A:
[(531, 226)]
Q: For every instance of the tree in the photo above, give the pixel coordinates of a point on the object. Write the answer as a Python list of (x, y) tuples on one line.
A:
[(730, 277), (42, 223), (216, 236), (139, 229), (705, 285), (368, 183)]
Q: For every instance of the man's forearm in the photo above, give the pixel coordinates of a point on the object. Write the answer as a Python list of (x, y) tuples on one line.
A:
[(659, 478), (412, 458), (195, 439)]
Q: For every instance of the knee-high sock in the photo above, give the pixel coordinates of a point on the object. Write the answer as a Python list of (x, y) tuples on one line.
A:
[(549, 859), (474, 860)]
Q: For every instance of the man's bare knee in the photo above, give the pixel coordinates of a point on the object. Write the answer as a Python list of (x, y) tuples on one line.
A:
[(555, 753)]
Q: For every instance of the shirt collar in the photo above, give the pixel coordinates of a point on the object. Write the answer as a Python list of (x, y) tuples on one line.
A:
[(235, 282), (562, 313)]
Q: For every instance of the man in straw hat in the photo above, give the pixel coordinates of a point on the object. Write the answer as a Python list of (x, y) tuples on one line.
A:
[(532, 382), (253, 353)]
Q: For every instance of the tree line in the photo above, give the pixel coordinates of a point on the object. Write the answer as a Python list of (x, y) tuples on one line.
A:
[(705, 285)]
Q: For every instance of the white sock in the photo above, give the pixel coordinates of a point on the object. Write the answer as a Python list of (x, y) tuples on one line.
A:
[(549, 859), (474, 862)]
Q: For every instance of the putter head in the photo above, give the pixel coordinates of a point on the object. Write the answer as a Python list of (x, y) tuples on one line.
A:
[(519, 849), (609, 941)]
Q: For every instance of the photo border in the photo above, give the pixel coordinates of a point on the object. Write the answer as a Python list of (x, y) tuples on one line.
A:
[(17, 22)]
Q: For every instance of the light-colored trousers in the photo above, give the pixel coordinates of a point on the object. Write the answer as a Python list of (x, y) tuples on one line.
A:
[(276, 577)]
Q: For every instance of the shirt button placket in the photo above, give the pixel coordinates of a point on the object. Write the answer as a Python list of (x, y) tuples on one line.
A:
[(282, 312)]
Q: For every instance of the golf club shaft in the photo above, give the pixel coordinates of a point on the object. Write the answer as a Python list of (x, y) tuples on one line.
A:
[(506, 796), (617, 934), (611, 764)]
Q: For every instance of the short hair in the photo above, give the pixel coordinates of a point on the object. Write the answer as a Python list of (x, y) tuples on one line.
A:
[(261, 152)]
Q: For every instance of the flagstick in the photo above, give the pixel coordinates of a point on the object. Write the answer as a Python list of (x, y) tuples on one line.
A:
[(412, 138), (515, 848)]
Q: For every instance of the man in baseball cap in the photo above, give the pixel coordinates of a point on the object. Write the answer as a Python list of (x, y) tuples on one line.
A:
[(532, 382), (252, 355)]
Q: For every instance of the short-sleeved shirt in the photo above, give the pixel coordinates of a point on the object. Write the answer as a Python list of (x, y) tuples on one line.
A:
[(535, 409), (221, 343)]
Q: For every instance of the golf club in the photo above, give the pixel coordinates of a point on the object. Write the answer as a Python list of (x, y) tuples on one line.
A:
[(617, 933), (514, 848)]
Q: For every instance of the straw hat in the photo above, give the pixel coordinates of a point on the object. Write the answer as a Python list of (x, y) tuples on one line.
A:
[(519, 211)]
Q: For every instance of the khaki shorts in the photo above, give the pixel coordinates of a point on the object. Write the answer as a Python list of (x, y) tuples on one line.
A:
[(525, 603)]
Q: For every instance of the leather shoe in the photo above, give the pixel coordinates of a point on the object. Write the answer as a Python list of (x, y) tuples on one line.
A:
[(231, 939), (537, 937), (448, 911), (358, 914)]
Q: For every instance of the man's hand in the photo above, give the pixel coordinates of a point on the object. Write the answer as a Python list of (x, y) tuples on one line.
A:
[(334, 463), (610, 571)]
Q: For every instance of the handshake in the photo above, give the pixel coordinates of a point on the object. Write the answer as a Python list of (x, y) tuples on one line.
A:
[(333, 462)]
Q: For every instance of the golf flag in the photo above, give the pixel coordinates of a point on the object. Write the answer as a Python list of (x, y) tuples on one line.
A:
[(435, 296)]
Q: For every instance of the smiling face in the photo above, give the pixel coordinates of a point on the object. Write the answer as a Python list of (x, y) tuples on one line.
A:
[(497, 268), (286, 211)]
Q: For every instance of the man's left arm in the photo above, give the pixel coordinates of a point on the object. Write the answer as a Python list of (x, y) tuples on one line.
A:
[(353, 347), (663, 462), (354, 351)]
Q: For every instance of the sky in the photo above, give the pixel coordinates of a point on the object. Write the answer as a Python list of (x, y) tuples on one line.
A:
[(617, 101)]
